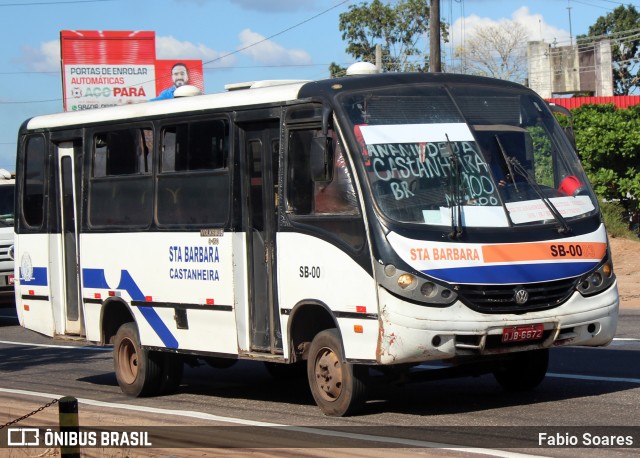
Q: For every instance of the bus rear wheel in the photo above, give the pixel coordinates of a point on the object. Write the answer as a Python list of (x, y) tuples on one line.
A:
[(137, 372), (524, 372), (339, 388)]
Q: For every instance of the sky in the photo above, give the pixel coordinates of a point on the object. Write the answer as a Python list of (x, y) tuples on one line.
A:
[(237, 40)]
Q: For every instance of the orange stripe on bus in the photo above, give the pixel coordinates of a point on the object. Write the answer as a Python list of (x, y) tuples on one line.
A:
[(543, 251)]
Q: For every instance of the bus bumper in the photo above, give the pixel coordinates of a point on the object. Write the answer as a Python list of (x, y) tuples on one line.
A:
[(412, 333)]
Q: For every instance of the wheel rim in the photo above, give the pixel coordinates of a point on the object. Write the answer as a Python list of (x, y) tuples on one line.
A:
[(328, 374), (127, 361)]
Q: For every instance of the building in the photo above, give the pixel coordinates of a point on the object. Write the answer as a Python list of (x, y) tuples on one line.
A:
[(554, 71)]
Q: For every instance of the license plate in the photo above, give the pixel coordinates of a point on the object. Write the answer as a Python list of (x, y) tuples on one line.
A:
[(523, 333)]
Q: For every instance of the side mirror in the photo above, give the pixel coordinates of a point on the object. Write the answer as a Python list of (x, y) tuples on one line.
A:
[(321, 158)]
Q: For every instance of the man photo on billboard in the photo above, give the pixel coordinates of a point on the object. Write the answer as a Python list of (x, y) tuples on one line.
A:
[(179, 76)]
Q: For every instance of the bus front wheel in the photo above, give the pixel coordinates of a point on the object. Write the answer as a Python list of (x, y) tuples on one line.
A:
[(524, 372), (138, 374), (339, 388)]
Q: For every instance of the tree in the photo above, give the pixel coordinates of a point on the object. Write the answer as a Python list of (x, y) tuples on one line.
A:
[(609, 146), (621, 26), (496, 51), (401, 30)]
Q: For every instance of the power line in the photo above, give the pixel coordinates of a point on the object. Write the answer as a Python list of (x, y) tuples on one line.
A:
[(57, 2), (213, 60), (591, 4), (277, 34)]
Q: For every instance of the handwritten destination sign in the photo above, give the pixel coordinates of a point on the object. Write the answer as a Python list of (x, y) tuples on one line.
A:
[(418, 158), (433, 164)]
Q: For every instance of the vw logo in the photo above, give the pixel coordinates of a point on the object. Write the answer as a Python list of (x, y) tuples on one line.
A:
[(521, 296)]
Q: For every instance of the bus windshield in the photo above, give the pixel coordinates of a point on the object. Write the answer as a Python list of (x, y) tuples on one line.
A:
[(471, 155)]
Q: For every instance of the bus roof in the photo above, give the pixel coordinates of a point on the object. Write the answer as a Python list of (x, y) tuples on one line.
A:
[(251, 94), (237, 98)]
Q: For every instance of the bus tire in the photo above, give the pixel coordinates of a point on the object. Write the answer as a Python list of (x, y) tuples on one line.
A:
[(524, 372), (137, 372), (339, 388)]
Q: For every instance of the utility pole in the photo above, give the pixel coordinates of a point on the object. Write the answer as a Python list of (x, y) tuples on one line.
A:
[(570, 32), (434, 37)]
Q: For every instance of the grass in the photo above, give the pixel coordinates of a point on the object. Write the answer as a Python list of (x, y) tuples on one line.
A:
[(616, 221)]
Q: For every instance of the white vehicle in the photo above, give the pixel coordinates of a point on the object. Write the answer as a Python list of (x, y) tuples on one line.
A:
[(7, 185), (347, 225)]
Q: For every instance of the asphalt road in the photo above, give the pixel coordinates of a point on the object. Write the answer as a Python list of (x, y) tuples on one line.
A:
[(588, 391)]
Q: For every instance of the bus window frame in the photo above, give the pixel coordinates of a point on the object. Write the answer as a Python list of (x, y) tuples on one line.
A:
[(226, 171), (26, 226), (325, 225), (143, 177)]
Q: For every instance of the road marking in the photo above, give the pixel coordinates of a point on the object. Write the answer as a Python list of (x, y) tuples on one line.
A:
[(299, 429), (595, 378), (84, 347)]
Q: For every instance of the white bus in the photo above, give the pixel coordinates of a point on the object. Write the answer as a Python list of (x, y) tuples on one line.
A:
[(351, 226)]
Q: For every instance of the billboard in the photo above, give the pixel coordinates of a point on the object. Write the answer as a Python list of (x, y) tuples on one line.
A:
[(174, 73), (106, 68)]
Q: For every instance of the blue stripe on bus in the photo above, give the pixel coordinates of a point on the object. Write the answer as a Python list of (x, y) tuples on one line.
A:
[(159, 327), (513, 273), (128, 284), (38, 277), (95, 278)]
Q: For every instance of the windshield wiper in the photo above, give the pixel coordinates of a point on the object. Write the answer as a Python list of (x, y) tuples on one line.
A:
[(503, 152), (513, 164), (564, 228), (456, 209)]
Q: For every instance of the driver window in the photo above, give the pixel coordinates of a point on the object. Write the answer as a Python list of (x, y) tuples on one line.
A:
[(336, 196), (305, 196)]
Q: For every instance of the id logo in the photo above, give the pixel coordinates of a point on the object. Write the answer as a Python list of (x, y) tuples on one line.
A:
[(23, 437)]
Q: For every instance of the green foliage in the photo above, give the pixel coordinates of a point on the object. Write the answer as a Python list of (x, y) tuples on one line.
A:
[(615, 220), (617, 25), (400, 30), (608, 141), (542, 156), (336, 70)]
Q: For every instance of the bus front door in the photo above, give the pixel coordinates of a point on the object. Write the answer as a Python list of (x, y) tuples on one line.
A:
[(261, 151), (68, 283)]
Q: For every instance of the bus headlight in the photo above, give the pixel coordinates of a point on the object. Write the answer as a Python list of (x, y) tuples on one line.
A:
[(414, 287), (428, 289), (407, 281), (597, 280), (11, 252)]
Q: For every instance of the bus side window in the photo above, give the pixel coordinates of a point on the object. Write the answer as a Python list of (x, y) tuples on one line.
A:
[(33, 187), (195, 146), (121, 181), (122, 152), (193, 184), (300, 185), (335, 196)]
